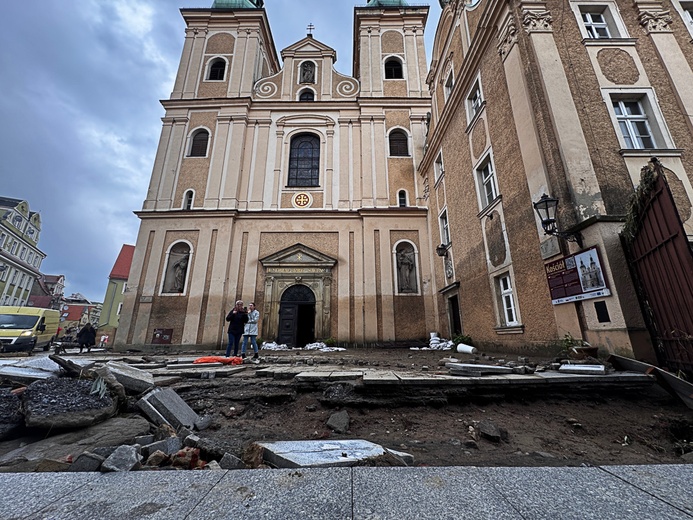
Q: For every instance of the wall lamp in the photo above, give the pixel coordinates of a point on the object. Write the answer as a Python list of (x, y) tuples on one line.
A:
[(442, 249), (546, 209)]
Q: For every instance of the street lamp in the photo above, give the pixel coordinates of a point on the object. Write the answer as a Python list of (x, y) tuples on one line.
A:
[(546, 209), (442, 250)]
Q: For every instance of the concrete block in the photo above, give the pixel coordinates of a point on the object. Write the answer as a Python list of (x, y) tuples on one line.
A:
[(169, 446), (229, 461), (87, 462), (592, 370), (171, 407), (132, 379), (124, 458)]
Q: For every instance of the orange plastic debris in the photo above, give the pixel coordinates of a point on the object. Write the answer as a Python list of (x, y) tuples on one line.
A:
[(219, 359)]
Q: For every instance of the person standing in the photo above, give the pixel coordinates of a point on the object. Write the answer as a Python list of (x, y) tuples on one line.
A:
[(86, 337), (251, 330), (237, 319)]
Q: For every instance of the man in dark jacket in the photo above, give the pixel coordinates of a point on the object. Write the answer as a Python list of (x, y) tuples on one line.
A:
[(86, 337), (237, 319)]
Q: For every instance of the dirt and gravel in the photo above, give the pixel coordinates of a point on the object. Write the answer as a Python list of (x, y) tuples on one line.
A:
[(606, 427)]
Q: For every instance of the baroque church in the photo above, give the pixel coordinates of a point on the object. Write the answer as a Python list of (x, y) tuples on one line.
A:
[(378, 207)]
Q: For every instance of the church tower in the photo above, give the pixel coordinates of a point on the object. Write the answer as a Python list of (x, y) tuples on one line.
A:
[(389, 52)]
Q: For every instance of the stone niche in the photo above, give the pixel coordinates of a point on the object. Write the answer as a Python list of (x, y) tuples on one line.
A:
[(297, 265)]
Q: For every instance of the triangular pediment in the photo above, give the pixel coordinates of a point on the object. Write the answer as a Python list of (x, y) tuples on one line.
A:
[(309, 46), (298, 255)]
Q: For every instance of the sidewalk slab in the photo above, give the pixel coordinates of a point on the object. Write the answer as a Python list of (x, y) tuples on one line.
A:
[(282, 494), (25, 494), (671, 483), (380, 378), (427, 493), (575, 493), (141, 494)]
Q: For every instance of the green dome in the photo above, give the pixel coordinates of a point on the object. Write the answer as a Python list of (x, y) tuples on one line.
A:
[(237, 4), (387, 3)]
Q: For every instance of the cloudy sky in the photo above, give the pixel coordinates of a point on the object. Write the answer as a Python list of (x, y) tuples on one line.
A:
[(80, 113)]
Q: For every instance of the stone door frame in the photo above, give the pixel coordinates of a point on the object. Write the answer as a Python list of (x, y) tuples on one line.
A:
[(294, 265)]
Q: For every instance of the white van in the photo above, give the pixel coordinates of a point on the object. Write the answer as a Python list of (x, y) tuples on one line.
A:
[(27, 328)]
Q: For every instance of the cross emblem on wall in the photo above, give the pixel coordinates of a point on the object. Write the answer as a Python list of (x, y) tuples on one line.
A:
[(302, 200)]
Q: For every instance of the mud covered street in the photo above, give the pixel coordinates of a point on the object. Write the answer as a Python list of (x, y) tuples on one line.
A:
[(607, 427)]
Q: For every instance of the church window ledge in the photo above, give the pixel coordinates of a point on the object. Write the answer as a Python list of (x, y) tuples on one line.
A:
[(649, 152), (609, 42)]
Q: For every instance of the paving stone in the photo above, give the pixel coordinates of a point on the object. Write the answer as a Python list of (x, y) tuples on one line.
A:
[(671, 483), (37, 490), (229, 461), (87, 462), (427, 493), (124, 458), (575, 493), (150, 495), (308, 494), (482, 369), (380, 378), (583, 369), (198, 366), (345, 376), (313, 376), (169, 446)]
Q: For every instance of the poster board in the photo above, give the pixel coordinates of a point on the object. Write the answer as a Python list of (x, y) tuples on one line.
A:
[(577, 277)]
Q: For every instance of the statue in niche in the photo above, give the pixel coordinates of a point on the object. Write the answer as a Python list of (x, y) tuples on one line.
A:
[(179, 260), (406, 269), (308, 72)]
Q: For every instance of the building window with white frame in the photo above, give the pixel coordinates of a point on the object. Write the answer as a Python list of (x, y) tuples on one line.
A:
[(120, 308), (444, 227), (199, 143), (506, 301), (599, 21), (486, 179), (449, 85), (188, 200), (438, 169), (217, 70), (633, 124), (402, 199), (688, 13), (475, 101)]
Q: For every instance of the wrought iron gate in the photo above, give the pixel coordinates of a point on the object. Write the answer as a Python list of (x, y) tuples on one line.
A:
[(662, 264)]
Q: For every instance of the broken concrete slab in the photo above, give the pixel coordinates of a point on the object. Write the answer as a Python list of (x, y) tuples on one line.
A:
[(131, 378), (473, 369), (319, 454), (169, 446), (168, 405), (113, 432), (592, 370), (188, 366), (229, 461), (380, 378), (65, 403)]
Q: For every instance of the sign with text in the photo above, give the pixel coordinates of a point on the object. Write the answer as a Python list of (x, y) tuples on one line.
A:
[(577, 277)]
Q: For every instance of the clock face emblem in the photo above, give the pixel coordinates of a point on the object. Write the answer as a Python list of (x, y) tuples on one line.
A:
[(302, 200)]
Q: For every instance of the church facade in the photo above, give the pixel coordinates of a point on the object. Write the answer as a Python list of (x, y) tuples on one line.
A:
[(291, 186), (378, 207)]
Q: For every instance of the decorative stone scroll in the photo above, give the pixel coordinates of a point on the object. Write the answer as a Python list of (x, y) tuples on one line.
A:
[(655, 21), (507, 37), (537, 21)]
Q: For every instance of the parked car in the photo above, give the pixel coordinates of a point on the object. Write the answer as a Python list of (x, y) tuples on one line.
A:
[(27, 328)]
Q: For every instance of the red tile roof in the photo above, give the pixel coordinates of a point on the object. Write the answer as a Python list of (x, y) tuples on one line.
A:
[(121, 269), (74, 312), (42, 302)]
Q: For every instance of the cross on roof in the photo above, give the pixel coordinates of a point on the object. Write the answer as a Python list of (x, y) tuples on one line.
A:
[(311, 28)]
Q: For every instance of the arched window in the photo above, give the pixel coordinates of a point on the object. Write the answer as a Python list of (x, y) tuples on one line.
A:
[(177, 267), (198, 145), (393, 69), (304, 161), (217, 70), (399, 144), (402, 198), (307, 72), (307, 95), (188, 199)]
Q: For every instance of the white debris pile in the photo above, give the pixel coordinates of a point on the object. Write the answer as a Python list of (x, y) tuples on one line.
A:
[(271, 345), (322, 347), (319, 346), (436, 343)]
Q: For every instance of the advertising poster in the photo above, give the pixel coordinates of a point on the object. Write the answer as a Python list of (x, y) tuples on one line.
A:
[(577, 277)]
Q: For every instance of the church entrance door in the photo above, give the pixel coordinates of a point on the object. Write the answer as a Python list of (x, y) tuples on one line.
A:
[(297, 317)]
